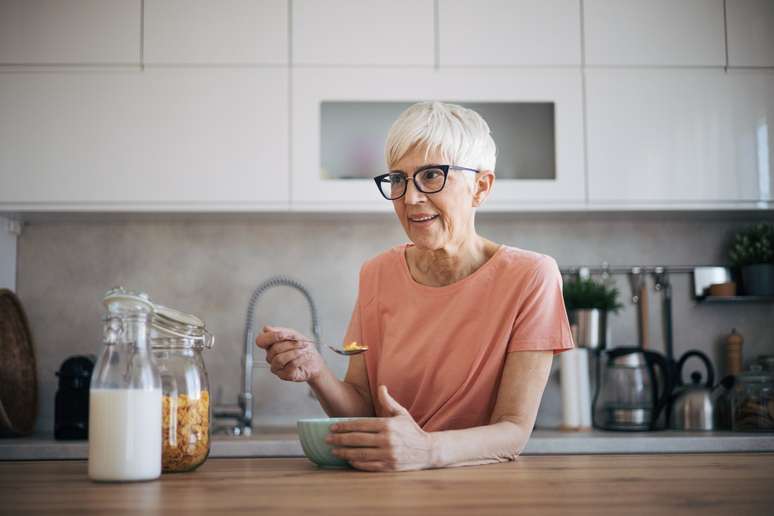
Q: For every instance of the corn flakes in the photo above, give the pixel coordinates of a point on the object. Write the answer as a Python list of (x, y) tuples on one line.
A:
[(185, 431)]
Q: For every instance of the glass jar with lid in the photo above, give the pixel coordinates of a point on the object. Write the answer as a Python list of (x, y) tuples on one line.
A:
[(125, 394), (178, 340), (753, 401)]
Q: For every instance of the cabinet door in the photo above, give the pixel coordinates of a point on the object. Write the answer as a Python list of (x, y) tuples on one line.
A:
[(76, 31), (363, 32), (509, 32), (224, 32), (750, 32), (313, 188), (654, 32), (144, 140), (683, 137)]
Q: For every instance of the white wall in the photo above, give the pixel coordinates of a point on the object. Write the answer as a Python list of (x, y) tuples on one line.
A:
[(9, 231)]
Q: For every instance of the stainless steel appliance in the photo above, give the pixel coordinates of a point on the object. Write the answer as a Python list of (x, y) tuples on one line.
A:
[(631, 393), (692, 407)]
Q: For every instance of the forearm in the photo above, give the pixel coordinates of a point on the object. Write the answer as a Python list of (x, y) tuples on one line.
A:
[(498, 442), (339, 398)]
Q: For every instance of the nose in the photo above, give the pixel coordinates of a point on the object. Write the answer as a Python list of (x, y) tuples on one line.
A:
[(413, 196)]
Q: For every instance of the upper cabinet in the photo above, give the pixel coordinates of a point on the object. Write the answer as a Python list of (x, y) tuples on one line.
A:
[(750, 32), (341, 117), (680, 137), (363, 32), (158, 139), (509, 32), (73, 32), (223, 32), (654, 32)]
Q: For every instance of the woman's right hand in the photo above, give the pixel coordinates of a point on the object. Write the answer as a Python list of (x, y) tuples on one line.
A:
[(292, 356)]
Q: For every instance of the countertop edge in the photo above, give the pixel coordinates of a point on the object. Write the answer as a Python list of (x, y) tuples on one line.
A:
[(542, 442)]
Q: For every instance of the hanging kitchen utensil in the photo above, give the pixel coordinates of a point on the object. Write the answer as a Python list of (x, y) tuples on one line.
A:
[(18, 374), (662, 285), (638, 283)]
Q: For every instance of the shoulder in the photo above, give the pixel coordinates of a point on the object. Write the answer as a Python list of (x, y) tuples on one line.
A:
[(523, 266)]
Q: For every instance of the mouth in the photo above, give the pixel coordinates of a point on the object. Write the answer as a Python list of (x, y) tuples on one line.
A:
[(422, 220)]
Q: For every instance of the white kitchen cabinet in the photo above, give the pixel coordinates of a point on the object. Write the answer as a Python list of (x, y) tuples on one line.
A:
[(509, 32), (70, 32), (224, 32), (159, 139), (313, 188), (683, 137), (750, 32), (363, 32), (654, 33)]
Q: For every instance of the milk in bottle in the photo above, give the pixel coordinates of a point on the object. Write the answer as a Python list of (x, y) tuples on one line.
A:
[(125, 395)]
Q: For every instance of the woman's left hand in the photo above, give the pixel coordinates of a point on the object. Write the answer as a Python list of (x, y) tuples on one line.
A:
[(394, 443)]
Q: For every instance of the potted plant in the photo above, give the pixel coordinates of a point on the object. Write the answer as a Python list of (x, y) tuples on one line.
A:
[(752, 251), (588, 302)]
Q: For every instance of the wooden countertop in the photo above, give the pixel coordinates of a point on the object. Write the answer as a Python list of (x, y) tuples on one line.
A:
[(703, 484)]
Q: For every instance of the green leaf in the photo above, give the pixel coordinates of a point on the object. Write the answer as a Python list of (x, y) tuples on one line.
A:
[(589, 294), (753, 245)]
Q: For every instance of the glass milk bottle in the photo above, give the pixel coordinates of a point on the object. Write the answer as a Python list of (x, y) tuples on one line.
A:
[(125, 394)]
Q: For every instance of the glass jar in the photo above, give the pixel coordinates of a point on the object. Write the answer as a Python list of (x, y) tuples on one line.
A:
[(178, 340), (753, 401), (125, 394)]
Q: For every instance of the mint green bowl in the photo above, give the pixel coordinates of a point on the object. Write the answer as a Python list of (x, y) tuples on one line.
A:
[(312, 434)]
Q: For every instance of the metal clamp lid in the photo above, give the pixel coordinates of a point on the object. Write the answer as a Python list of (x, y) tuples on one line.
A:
[(171, 328)]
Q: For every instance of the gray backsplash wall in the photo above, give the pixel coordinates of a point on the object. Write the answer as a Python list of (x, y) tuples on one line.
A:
[(209, 265)]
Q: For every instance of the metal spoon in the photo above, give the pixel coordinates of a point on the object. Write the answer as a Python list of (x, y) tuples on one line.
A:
[(348, 353)]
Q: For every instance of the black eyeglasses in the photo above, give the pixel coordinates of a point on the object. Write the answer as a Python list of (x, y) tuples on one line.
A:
[(428, 179)]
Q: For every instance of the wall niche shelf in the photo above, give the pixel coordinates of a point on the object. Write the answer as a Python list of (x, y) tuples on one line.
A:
[(352, 137)]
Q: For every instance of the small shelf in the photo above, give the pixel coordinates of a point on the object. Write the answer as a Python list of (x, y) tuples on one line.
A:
[(353, 134), (735, 299)]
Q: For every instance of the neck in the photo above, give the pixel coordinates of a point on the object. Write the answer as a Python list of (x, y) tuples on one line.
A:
[(451, 263)]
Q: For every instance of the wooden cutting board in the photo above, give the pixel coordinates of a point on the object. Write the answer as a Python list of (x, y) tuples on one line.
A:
[(18, 374)]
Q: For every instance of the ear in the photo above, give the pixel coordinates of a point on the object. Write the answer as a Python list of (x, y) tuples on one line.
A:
[(484, 184)]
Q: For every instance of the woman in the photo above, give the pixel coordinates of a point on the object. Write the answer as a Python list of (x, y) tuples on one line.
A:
[(461, 331)]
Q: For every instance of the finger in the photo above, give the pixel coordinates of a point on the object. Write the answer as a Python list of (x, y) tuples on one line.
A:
[(292, 373), (368, 424), (281, 347), (356, 439), (391, 406), (283, 359), (360, 454), (369, 465), (272, 335)]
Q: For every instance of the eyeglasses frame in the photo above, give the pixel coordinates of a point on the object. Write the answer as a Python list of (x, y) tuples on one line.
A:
[(444, 168)]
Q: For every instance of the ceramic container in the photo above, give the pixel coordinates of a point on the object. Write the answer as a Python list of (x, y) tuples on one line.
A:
[(312, 434)]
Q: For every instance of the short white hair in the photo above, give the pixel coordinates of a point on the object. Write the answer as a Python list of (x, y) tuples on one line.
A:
[(459, 134)]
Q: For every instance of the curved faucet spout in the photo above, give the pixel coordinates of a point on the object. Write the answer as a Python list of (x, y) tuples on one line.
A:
[(246, 396)]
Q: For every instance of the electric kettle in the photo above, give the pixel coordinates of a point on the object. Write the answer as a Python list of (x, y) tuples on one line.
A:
[(631, 393)]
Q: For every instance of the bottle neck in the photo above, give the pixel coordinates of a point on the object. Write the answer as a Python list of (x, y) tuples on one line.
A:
[(130, 330)]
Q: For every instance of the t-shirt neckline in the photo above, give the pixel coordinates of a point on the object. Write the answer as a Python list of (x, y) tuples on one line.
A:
[(446, 288)]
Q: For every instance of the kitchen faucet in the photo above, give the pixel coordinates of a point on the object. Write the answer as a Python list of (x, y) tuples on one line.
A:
[(243, 412)]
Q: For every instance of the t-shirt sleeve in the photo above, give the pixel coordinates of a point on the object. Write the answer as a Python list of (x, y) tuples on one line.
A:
[(541, 322)]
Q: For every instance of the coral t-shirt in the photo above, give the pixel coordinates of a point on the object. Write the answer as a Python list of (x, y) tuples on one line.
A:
[(441, 350)]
